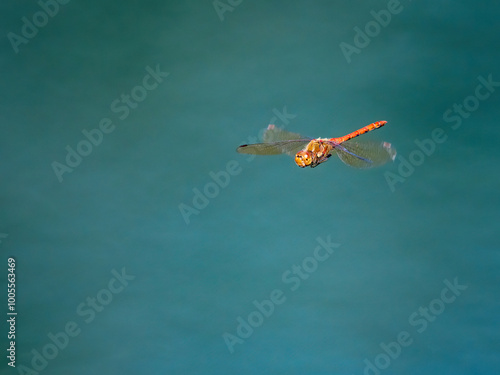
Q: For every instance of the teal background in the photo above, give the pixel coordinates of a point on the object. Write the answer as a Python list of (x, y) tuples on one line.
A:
[(227, 80)]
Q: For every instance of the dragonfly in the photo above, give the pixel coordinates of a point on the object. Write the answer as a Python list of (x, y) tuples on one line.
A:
[(311, 152)]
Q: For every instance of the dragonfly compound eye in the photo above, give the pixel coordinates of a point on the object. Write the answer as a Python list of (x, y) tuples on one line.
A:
[(303, 158)]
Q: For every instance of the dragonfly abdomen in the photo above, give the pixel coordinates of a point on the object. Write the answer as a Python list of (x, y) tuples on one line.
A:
[(358, 132)]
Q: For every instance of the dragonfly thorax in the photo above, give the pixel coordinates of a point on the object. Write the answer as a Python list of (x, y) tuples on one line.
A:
[(316, 152)]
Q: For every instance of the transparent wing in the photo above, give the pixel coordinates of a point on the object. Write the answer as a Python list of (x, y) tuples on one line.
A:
[(276, 141), (274, 134), (275, 148), (363, 154)]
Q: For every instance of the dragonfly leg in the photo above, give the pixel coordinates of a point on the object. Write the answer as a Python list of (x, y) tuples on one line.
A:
[(321, 160)]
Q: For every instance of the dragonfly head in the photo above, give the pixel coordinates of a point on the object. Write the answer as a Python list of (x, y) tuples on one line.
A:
[(303, 158)]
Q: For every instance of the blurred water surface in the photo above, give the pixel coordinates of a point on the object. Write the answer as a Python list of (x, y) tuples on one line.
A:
[(187, 282)]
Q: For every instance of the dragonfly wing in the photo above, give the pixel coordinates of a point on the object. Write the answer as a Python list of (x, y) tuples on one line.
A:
[(274, 134), (276, 141), (363, 154), (290, 147)]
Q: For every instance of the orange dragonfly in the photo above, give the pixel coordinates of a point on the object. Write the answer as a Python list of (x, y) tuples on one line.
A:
[(312, 152)]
